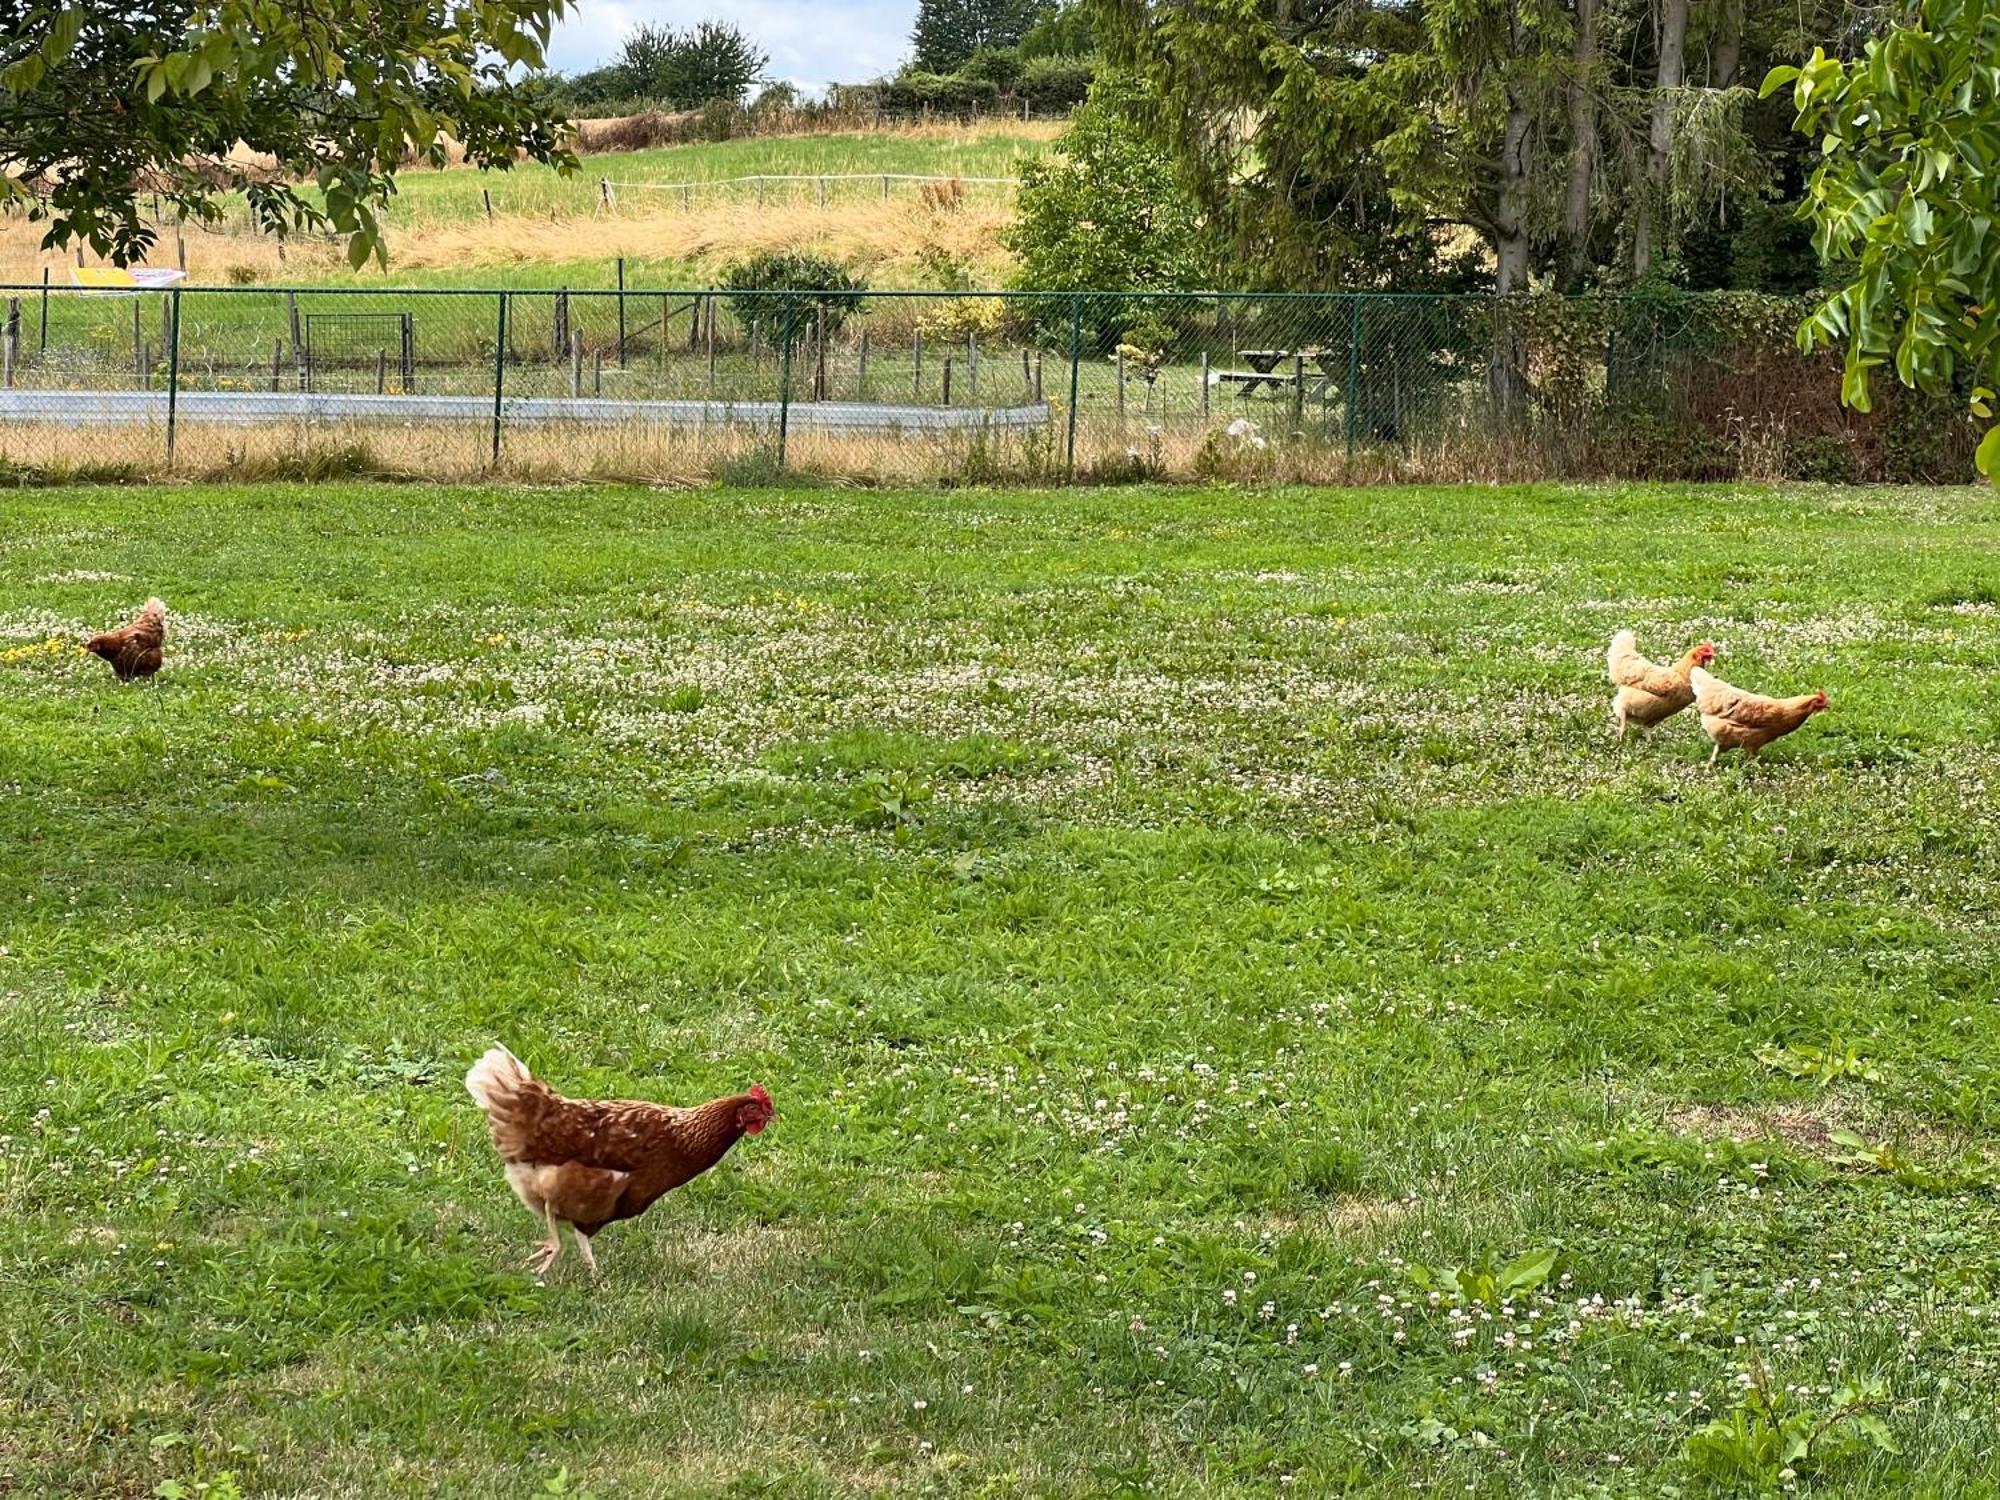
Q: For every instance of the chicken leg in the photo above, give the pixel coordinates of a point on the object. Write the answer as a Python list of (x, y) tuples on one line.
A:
[(583, 1248), (549, 1251)]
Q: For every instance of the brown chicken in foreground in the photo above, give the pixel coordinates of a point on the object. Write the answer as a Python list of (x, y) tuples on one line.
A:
[(137, 649), (1737, 720), (591, 1162), (1649, 694)]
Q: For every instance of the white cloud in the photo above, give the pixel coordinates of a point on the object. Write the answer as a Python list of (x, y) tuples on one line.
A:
[(811, 44)]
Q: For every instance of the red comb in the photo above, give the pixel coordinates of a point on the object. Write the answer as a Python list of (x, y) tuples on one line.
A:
[(757, 1093)]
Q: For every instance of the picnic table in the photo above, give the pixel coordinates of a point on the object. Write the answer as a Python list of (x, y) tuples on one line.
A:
[(1264, 372)]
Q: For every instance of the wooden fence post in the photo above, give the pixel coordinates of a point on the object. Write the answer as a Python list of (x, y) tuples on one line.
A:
[(576, 363), (1204, 382), (861, 372), (381, 372), (917, 362), (947, 380)]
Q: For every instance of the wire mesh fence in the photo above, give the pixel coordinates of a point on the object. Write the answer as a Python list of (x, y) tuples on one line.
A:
[(938, 386)]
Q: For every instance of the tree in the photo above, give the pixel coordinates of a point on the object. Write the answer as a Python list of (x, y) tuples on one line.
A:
[(1342, 143), (102, 104), (950, 31), (1105, 210), (687, 69), (1906, 192), (714, 61), (1062, 31)]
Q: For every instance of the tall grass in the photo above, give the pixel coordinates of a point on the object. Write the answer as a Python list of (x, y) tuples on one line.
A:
[(439, 223)]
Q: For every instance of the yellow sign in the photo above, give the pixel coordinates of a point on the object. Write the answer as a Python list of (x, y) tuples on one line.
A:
[(117, 279)]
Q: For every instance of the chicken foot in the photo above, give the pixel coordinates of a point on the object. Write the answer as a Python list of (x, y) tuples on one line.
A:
[(583, 1247)]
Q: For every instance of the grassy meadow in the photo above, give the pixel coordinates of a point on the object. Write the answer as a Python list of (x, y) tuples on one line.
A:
[(1239, 1024), (549, 230)]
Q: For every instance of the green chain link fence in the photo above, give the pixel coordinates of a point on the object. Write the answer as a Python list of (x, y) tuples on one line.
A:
[(939, 386)]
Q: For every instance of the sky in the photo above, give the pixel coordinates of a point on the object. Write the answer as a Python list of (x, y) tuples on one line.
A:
[(812, 42)]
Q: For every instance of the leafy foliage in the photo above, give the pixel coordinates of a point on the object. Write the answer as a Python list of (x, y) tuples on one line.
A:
[(832, 287), (101, 105), (1106, 209), (1366, 144), (663, 67), (1910, 138), (949, 32)]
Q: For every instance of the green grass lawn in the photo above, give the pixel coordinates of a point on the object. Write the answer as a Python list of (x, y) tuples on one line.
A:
[(1239, 1025)]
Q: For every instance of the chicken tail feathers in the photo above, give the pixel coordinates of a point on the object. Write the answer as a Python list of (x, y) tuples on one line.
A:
[(512, 1097)]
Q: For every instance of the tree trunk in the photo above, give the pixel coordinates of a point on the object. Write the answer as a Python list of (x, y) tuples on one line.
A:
[(1582, 149), (1660, 139), (1728, 46), (1507, 375)]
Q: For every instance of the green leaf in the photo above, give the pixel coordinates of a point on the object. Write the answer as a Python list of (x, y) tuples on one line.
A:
[(1776, 79), (1987, 458), (25, 74), (359, 249), (61, 40), (1526, 1272)]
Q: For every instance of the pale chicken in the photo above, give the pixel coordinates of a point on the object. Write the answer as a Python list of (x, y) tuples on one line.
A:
[(1648, 693), (1739, 720)]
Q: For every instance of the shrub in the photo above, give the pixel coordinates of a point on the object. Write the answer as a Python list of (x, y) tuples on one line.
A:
[(946, 94), (954, 319), (999, 66), (826, 284), (1056, 82)]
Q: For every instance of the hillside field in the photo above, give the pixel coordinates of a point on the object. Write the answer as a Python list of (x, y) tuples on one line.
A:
[(1239, 1024), (548, 230)]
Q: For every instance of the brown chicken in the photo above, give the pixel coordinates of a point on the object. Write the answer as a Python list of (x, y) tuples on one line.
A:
[(591, 1162), (136, 650), (1649, 694), (1737, 720)]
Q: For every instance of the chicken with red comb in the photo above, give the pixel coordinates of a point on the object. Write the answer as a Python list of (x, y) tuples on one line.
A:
[(591, 1162)]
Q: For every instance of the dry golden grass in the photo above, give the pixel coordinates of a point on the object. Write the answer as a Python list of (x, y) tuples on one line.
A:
[(889, 240), (889, 243), (886, 242), (1183, 449)]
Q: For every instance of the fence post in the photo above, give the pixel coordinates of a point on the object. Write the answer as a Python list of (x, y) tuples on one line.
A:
[(861, 369), (1353, 375), (621, 312), (12, 338), (575, 363), (785, 386), (1075, 370), (499, 375), (45, 309), (173, 369)]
